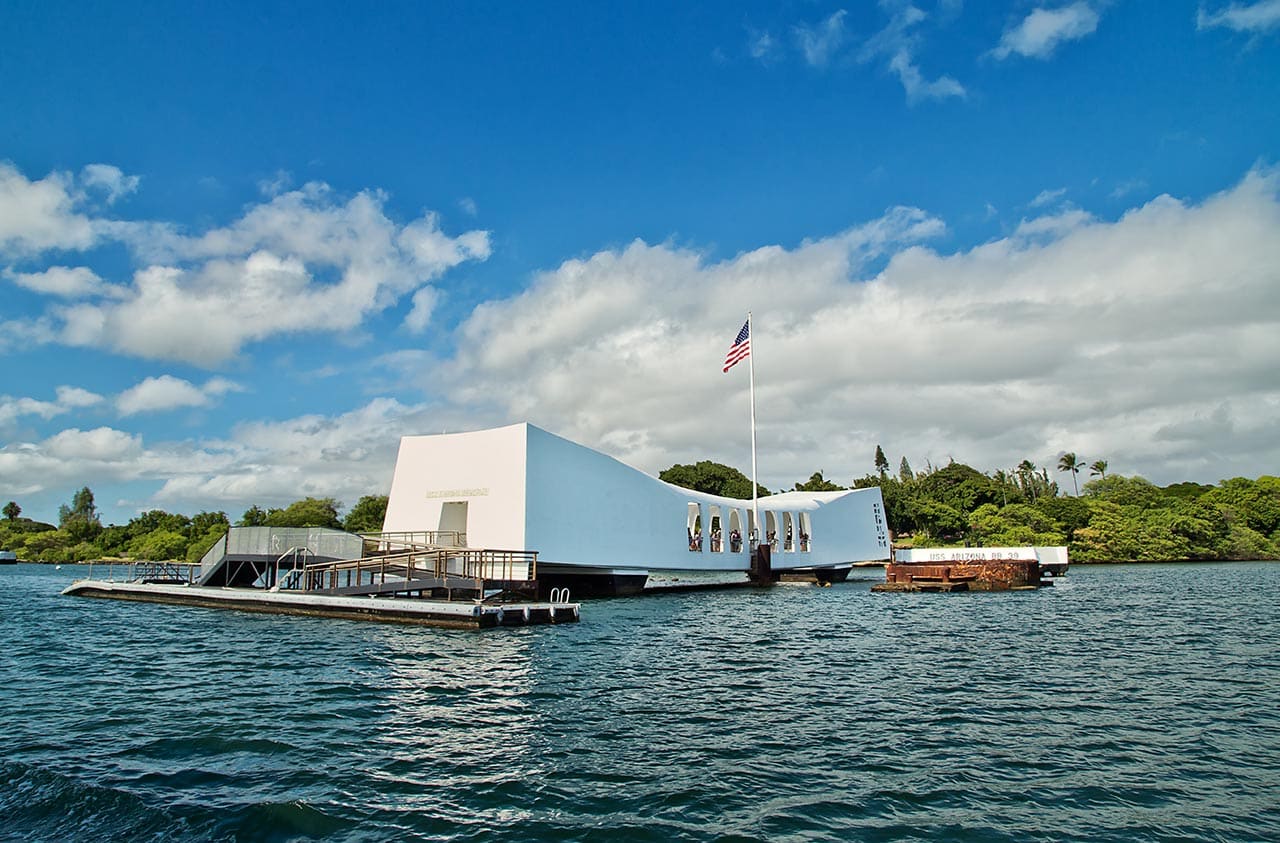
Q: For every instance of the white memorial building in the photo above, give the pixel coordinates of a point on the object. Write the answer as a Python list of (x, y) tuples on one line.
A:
[(601, 526)]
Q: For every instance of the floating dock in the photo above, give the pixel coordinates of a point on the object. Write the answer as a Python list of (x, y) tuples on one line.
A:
[(413, 610), (429, 579)]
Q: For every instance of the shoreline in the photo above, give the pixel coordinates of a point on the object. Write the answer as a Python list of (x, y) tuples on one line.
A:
[(856, 565)]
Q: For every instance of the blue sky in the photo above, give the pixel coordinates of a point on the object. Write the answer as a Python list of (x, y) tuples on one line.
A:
[(245, 247)]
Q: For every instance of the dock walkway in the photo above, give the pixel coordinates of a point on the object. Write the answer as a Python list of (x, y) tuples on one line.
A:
[(403, 578), (456, 613)]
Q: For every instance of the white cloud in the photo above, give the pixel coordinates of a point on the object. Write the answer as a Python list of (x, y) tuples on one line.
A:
[(275, 185), (626, 329), (761, 45), (166, 392), (221, 386), (1127, 187), (916, 86), (160, 393), (73, 397), (424, 303), (13, 408), (300, 262), (1040, 32), (819, 42), (431, 248), (102, 444), (27, 333), (1047, 197), (1072, 334), (64, 281), (110, 179), (1141, 340), (68, 398), (1051, 224), (73, 457), (1258, 17), (1054, 225), (275, 463), (52, 212), (898, 42), (40, 215), (265, 463)]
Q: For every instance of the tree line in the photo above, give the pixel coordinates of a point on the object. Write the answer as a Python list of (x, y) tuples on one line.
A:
[(161, 536), (1109, 518)]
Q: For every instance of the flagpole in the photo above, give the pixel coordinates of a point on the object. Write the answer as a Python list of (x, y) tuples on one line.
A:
[(751, 365)]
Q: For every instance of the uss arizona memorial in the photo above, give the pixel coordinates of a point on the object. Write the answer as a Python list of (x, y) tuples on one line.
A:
[(600, 526), (494, 505)]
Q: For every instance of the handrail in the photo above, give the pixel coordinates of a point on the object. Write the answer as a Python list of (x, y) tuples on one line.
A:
[(295, 552), (480, 564), (143, 570), (407, 539)]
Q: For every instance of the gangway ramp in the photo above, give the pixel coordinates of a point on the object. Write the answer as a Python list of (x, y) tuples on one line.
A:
[(425, 571)]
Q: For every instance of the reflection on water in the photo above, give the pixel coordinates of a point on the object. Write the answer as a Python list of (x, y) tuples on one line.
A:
[(1132, 702)]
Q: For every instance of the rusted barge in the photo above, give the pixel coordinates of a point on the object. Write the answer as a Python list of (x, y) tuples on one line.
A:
[(973, 569)]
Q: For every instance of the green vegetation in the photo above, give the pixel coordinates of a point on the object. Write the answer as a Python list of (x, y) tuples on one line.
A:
[(367, 515), (159, 535), (1068, 462), (1113, 518), (882, 462), (816, 483), (712, 478)]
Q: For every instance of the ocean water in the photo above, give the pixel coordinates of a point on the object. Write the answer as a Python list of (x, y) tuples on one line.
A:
[(1126, 703)]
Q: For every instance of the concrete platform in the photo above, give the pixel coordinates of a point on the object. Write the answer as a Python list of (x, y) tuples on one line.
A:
[(457, 614)]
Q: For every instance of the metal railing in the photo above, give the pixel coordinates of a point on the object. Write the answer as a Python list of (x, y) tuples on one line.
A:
[(419, 570), (415, 539), (295, 570), (147, 571)]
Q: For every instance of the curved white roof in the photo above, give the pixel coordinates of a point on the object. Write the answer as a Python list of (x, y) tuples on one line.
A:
[(520, 487)]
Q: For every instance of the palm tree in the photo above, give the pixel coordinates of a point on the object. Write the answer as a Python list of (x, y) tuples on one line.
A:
[(1099, 467), (1026, 470), (1067, 462), (1005, 480)]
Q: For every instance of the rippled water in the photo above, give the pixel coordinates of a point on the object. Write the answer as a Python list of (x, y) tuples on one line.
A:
[(1126, 703)]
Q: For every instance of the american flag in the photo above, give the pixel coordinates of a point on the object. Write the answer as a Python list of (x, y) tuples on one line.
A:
[(741, 348)]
